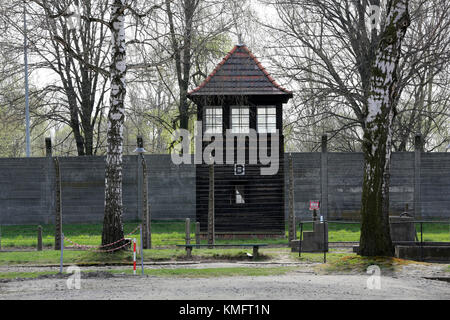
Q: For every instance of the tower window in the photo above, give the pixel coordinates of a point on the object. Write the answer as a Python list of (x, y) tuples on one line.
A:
[(213, 120), (267, 119), (240, 119)]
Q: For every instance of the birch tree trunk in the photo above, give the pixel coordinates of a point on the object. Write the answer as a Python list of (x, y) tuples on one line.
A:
[(375, 235), (112, 223)]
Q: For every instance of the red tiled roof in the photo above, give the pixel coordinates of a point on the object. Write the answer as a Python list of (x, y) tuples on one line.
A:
[(239, 73)]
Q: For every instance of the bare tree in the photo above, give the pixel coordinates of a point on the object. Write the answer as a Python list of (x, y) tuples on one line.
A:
[(193, 25), (112, 224), (381, 110), (325, 50), (332, 51), (187, 38), (72, 57)]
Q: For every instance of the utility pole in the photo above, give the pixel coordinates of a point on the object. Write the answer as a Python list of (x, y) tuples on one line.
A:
[(27, 103)]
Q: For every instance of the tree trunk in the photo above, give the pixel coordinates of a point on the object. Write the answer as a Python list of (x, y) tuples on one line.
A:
[(112, 224), (182, 55), (375, 235)]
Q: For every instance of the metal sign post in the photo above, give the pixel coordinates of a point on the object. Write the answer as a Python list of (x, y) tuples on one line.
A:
[(62, 254), (324, 242), (134, 256), (142, 252)]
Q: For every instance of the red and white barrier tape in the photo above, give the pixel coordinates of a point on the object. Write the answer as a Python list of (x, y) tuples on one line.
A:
[(88, 247)]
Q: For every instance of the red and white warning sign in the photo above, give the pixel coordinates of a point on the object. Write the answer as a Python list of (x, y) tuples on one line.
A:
[(314, 205)]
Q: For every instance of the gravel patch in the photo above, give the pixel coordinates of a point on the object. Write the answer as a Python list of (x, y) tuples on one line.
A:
[(303, 284), (293, 286)]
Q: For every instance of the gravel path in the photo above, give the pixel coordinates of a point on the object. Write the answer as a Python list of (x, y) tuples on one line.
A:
[(302, 284)]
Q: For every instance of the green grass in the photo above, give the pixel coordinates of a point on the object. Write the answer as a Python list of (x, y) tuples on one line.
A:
[(318, 257), (168, 233), (357, 264), (434, 232), (179, 272), (123, 257), (338, 232), (24, 275), (70, 257), (212, 272)]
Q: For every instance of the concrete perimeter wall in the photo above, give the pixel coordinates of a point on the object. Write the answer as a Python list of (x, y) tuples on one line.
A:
[(343, 188), (27, 187)]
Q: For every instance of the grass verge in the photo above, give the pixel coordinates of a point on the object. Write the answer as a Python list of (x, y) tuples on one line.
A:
[(358, 264), (168, 233), (179, 273), (213, 272), (24, 275), (122, 257)]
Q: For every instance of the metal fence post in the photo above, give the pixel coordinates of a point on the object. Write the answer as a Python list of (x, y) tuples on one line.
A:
[(142, 251), (62, 254), (300, 240), (421, 241), (211, 229), (324, 248)]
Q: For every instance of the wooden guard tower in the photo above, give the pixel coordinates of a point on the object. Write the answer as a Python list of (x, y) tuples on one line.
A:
[(240, 95)]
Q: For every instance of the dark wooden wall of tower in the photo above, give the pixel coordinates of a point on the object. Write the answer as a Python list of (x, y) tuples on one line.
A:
[(263, 211)]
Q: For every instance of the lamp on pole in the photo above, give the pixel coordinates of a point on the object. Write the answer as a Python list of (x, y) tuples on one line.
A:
[(27, 101)]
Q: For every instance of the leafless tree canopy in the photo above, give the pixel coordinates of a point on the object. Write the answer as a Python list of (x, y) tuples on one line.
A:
[(326, 50), (322, 49)]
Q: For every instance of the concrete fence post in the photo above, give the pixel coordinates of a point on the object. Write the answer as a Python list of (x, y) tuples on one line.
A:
[(211, 229), (139, 178), (188, 237), (48, 147), (143, 211), (188, 231), (58, 206), (418, 146), (291, 215), (197, 233), (324, 178), (146, 218), (49, 196), (39, 238)]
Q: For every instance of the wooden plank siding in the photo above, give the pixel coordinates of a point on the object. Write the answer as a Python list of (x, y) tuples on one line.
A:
[(263, 210)]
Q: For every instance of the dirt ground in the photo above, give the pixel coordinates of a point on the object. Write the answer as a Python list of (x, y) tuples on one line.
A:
[(301, 284)]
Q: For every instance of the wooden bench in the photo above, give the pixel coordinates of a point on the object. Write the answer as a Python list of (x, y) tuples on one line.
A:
[(255, 246)]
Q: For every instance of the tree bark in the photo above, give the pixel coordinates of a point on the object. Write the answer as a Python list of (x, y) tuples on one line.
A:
[(375, 235), (112, 224)]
